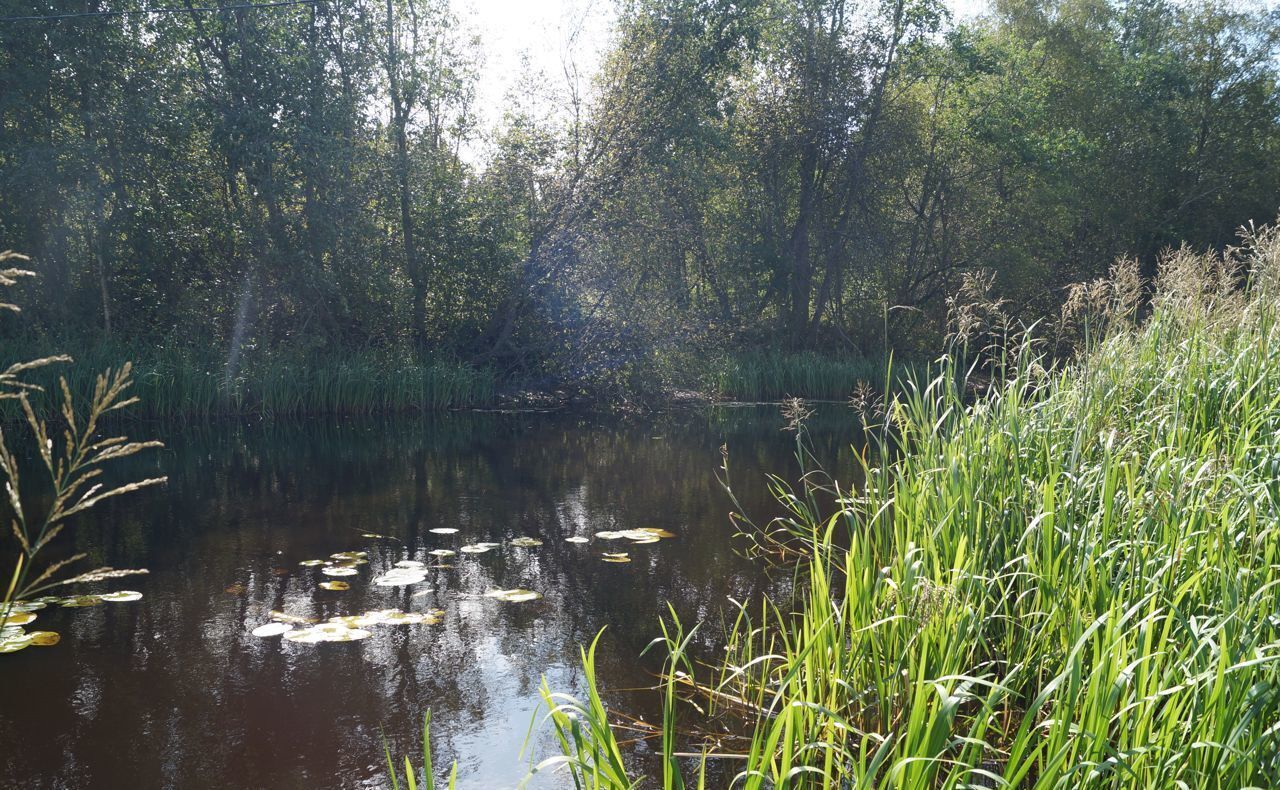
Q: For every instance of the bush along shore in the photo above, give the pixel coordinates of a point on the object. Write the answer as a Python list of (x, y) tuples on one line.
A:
[(1072, 581)]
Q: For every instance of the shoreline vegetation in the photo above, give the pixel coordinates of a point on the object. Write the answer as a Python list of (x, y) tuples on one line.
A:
[(1070, 581), (182, 385)]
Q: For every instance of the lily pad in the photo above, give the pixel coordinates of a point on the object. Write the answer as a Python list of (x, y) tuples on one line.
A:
[(290, 618), (327, 632), (410, 564), (397, 577), (645, 535), (442, 552), (272, 629), (526, 542), (620, 557), (15, 643), (122, 596), (349, 555), (355, 620), (412, 618), (443, 531), (659, 533), (26, 606), (311, 563), (44, 638), (335, 585), (577, 539), (18, 618), (517, 595), (479, 548), (80, 601), (339, 570)]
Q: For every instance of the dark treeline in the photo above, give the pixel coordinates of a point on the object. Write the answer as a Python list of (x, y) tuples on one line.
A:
[(311, 181)]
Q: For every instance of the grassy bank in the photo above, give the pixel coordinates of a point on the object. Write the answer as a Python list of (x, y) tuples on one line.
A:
[(1073, 582), (183, 384)]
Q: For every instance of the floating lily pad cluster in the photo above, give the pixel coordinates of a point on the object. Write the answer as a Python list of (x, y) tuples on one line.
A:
[(406, 572), (343, 628), (14, 637), (636, 536)]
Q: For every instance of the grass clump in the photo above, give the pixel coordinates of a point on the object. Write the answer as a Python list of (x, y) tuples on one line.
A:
[(1072, 580)]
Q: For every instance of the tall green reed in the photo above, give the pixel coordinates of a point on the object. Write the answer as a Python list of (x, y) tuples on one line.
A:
[(1068, 580), (772, 376)]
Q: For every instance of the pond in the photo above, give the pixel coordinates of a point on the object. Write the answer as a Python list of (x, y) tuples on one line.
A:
[(174, 691)]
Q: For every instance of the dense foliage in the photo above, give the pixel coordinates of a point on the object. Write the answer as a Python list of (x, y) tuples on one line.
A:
[(303, 182)]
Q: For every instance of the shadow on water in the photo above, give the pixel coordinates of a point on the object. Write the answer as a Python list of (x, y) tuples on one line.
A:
[(172, 691)]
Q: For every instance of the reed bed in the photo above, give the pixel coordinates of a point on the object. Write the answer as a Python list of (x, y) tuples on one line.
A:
[(1073, 581), (181, 384), (774, 375)]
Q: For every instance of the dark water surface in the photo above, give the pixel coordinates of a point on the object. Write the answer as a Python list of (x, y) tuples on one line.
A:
[(173, 691)]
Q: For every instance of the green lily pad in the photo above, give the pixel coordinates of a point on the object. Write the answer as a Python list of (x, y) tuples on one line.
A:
[(80, 601), (122, 596), (577, 539), (311, 563), (15, 643), (339, 570), (620, 557), (355, 620), (479, 548), (335, 585), (349, 555), (18, 618), (272, 629), (525, 542), (327, 632), (659, 533), (44, 638), (397, 577), (645, 535), (517, 595), (411, 618), (26, 606), (281, 617)]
